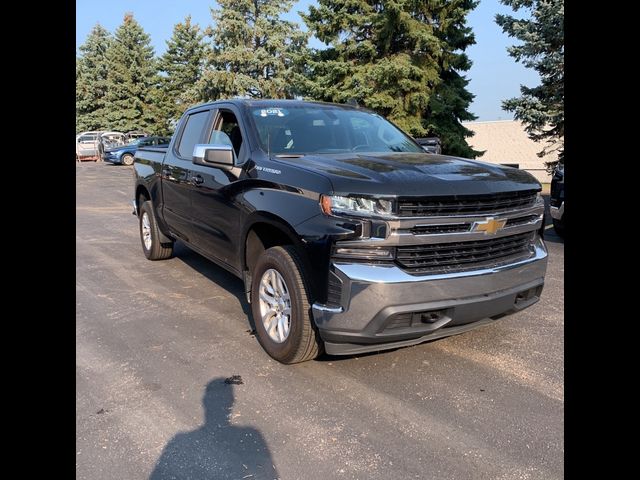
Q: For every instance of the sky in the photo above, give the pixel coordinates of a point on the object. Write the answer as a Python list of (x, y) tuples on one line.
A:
[(493, 77)]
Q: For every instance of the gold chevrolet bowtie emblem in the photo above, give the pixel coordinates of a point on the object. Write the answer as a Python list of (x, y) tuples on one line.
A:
[(490, 226)]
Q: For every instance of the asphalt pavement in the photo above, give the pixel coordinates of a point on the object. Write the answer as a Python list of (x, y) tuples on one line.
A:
[(171, 383)]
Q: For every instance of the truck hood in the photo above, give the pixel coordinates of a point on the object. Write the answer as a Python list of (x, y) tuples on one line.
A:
[(413, 174)]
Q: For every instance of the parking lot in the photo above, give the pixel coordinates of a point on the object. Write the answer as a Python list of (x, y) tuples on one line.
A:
[(171, 383)]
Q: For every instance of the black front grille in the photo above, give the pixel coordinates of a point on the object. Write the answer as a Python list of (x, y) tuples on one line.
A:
[(465, 205), (465, 227), (443, 228), (460, 256), (512, 222)]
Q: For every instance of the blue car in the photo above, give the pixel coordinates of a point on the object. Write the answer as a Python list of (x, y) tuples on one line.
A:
[(124, 154)]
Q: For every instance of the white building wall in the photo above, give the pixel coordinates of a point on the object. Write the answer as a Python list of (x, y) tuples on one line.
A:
[(506, 141)]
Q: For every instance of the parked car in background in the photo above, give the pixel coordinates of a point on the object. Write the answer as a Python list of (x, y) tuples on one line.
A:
[(556, 199), (133, 134), (113, 139), (430, 144), (124, 154), (88, 146)]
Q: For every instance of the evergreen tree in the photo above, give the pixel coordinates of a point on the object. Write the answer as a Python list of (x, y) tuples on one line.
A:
[(450, 100), (381, 54), (91, 80), (132, 79), (182, 65), (254, 52), (401, 59), (540, 108)]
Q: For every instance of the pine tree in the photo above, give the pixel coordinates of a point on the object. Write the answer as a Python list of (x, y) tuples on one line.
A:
[(254, 52), (91, 80), (182, 65), (540, 108), (381, 54), (450, 100), (132, 79), (401, 59)]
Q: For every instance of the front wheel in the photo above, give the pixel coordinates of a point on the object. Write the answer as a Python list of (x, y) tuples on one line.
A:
[(127, 159), (150, 235), (281, 307)]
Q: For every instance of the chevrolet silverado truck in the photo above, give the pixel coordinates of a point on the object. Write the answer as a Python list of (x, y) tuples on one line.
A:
[(348, 236)]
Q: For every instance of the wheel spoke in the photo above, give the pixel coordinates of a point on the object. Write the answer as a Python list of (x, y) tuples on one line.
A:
[(267, 298), (269, 288), (281, 287), (271, 328), (269, 314), (281, 329)]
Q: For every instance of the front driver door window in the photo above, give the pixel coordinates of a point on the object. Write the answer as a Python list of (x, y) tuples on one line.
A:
[(227, 130)]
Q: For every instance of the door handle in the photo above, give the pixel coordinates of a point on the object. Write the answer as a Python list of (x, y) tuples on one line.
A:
[(197, 180)]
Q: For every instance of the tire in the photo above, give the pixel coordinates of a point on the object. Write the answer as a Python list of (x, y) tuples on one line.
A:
[(301, 341), (150, 235), (558, 226), (127, 159)]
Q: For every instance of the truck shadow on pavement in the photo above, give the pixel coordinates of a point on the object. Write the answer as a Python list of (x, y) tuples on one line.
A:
[(217, 449), (216, 274)]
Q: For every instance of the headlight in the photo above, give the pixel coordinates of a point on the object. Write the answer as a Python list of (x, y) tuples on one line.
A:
[(332, 204), (539, 199)]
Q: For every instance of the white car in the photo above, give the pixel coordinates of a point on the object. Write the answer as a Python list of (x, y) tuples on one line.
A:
[(88, 146)]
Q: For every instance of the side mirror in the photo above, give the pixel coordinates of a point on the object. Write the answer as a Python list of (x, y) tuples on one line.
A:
[(214, 155)]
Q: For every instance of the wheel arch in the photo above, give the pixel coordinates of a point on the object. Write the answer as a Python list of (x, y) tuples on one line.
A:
[(264, 230), (141, 191)]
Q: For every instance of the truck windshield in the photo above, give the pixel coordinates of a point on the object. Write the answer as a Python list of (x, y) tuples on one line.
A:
[(305, 129)]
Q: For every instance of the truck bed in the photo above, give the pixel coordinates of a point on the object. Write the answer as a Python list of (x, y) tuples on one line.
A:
[(151, 155)]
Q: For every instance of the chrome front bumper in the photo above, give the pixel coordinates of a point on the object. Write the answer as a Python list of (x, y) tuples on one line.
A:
[(373, 296)]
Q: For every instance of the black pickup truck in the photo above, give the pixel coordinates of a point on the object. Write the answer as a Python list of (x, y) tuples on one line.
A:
[(348, 235)]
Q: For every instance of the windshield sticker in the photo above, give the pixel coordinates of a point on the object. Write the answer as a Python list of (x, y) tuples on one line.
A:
[(268, 112)]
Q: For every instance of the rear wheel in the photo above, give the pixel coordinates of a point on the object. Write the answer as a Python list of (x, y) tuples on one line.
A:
[(150, 235), (127, 159), (281, 307)]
